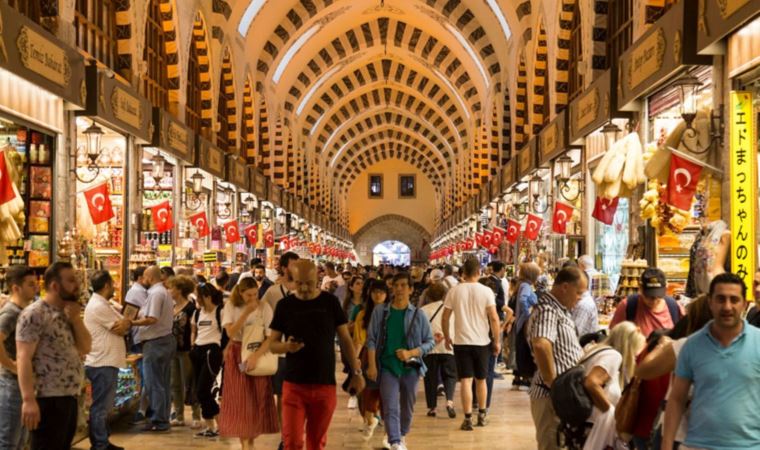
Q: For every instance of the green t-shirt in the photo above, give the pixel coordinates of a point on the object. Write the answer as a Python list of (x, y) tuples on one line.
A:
[(394, 340), (354, 311)]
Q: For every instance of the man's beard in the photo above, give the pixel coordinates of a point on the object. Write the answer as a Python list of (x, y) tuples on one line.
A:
[(259, 279), (69, 296)]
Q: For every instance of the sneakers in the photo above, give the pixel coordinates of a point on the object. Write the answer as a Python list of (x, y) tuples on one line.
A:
[(431, 412), (452, 413), (386, 444), (466, 425), (482, 419), (138, 418), (353, 402), (177, 423), (441, 391), (399, 446), (208, 433), (196, 425), (369, 429)]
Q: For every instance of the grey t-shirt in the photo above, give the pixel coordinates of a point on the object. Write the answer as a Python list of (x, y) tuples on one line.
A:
[(161, 307), (8, 317), (58, 369)]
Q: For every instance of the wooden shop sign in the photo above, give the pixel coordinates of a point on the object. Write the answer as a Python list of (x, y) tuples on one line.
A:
[(172, 136), (32, 53), (526, 158), (553, 138), (716, 19), (118, 104), (210, 157), (237, 173), (496, 187), (484, 195), (508, 175), (259, 184), (660, 53)]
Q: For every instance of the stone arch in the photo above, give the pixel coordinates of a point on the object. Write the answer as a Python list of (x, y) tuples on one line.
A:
[(248, 134), (200, 44), (226, 106), (263, 155), (540, 101), (521, 104), (392, 227)]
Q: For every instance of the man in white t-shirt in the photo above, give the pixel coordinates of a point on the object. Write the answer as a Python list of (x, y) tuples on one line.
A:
[(332, 279), (474, 308)]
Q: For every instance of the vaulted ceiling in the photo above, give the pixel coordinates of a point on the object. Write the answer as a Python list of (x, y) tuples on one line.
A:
[(355, 82)]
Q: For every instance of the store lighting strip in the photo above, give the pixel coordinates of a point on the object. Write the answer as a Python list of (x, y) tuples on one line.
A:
[(250, 13)]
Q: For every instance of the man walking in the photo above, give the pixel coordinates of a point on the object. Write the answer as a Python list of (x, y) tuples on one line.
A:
[(555, 348), (476, 339), (50, 340), (159, 346), (332, 279), (720, 363), (309, 320), (398, 337), (107, 328), (22, 282)]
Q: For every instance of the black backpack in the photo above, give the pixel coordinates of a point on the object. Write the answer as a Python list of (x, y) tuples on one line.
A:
[(633, 304), (571, 402), (526, 365), (225, 338)]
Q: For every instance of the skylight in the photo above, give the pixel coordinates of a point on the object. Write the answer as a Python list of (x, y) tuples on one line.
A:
[(314, 88), (250, 13), (493, 4), (292, 51), (470, 51)]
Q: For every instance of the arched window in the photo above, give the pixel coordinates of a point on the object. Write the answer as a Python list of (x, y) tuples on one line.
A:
[(95, 29), (575, 79), (619, 29), (156, 79)]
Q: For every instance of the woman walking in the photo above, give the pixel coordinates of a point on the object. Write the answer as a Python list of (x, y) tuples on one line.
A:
[(526, 299), (248, 408), (206, 354), (180, 288)]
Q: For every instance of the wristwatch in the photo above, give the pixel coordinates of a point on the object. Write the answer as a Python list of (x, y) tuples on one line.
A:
[(358, 372)]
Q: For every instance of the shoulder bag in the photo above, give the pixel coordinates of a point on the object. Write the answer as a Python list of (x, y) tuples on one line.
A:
[(253, 337), (627, 408)]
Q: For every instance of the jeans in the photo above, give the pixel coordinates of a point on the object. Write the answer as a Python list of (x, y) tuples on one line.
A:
[(12, 434), (157, 358), (58, 423), (440, 366), (311, 405), (103, 381), (398, 395), (183, 386)]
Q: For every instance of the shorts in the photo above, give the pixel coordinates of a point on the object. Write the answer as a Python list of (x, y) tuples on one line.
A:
[(278, 377), (472, 361)]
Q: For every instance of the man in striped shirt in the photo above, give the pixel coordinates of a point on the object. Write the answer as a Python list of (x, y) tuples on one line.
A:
[(554, 341)]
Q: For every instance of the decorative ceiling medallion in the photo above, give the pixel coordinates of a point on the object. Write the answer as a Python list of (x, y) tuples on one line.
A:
[(432, 14), (331, 16), (384, 8)]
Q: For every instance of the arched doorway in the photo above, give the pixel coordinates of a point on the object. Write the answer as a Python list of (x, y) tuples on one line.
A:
[(391, 252)]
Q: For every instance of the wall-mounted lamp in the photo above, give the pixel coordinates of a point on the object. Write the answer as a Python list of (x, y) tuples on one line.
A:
[(158, 167), (688, 93), (565, 189), (224, 207), (535, 190), (193, 198), (93, 136)]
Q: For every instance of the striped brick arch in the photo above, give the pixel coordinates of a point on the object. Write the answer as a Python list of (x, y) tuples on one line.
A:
[(521, 103), (171, 46), (226, 106), (561, 75), (248, 132), (123, 36), (540, 103), (264, 147), (200, 46)]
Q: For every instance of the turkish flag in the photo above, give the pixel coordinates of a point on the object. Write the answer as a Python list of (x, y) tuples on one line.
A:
[(232, 231), (497, 236), (285, 243), (562, 213), (200, 222), (252, 233), (469, 244), (478, 240), (99, 203), (487, 239), (513, 231), (604, 209), (269, 238), (532, 227), (7, 193), (162, 216), (682, 183)]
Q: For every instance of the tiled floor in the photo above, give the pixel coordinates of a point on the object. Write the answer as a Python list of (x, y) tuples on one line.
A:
[(510, 428)]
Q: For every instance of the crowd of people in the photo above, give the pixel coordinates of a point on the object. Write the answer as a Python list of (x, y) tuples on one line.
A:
[(249, 355)]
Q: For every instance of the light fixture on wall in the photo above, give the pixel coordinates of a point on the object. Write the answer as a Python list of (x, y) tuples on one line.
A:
[(610, 132), (266, 216), (93, 136), (194, 197), (224, 207), (688, 92), (563, 164), (158, 164), (535, 190), (517, 209)]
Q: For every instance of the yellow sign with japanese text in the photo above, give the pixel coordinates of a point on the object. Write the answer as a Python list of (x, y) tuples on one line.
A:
[(743, 162)]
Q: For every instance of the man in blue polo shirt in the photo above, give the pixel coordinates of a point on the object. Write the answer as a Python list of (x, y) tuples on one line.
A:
[(722, 363)]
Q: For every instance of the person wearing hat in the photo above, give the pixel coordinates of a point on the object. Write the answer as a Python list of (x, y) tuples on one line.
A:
[(651, 309)]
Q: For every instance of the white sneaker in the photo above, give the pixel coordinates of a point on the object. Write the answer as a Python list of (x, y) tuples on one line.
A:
[(369, 429), (398, 446), (353, 402), (386, 444)]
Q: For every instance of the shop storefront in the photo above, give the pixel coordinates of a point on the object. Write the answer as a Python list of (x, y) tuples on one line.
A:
[(42, 80), (116, 119), (663, 75), (239, 176)]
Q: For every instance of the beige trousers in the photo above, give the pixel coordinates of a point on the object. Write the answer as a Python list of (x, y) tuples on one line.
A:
[(546, 423)]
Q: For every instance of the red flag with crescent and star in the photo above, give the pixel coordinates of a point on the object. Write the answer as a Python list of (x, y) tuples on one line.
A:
[(562, 213), (252, 233), (682, 183), (497, 236), (269, 238), (513, 231), (99, 203), (162, 216), (487, 239), (200, 222), (478, 240), (532, 227), (232, 231), (604, 209)]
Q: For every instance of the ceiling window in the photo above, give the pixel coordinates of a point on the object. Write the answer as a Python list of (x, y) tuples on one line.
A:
[(375, 186), (407, 186)]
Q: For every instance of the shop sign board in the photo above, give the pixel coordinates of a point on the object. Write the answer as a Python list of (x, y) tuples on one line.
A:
[(658, 54), (526, 158), (496, 188), (553, 138), (508, 174), (743, 166), (173, 136), (237, 172), (118, 104), (210, 157), (259, 187), (716, 19), (32, 53), (484, 195)]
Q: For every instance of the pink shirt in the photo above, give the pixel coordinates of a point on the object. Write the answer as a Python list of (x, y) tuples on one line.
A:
[(646, 319)]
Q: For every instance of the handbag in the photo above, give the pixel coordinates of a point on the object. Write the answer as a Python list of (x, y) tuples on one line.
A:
[(253, 338), (627, 408), (414, 362)]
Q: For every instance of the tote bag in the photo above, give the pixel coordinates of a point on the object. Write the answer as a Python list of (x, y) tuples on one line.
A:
[(253, 336)]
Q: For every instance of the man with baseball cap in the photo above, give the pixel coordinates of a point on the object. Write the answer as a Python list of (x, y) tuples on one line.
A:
[(651, 309)]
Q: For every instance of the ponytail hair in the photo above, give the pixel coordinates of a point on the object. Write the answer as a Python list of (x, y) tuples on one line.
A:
[(207, 290)]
